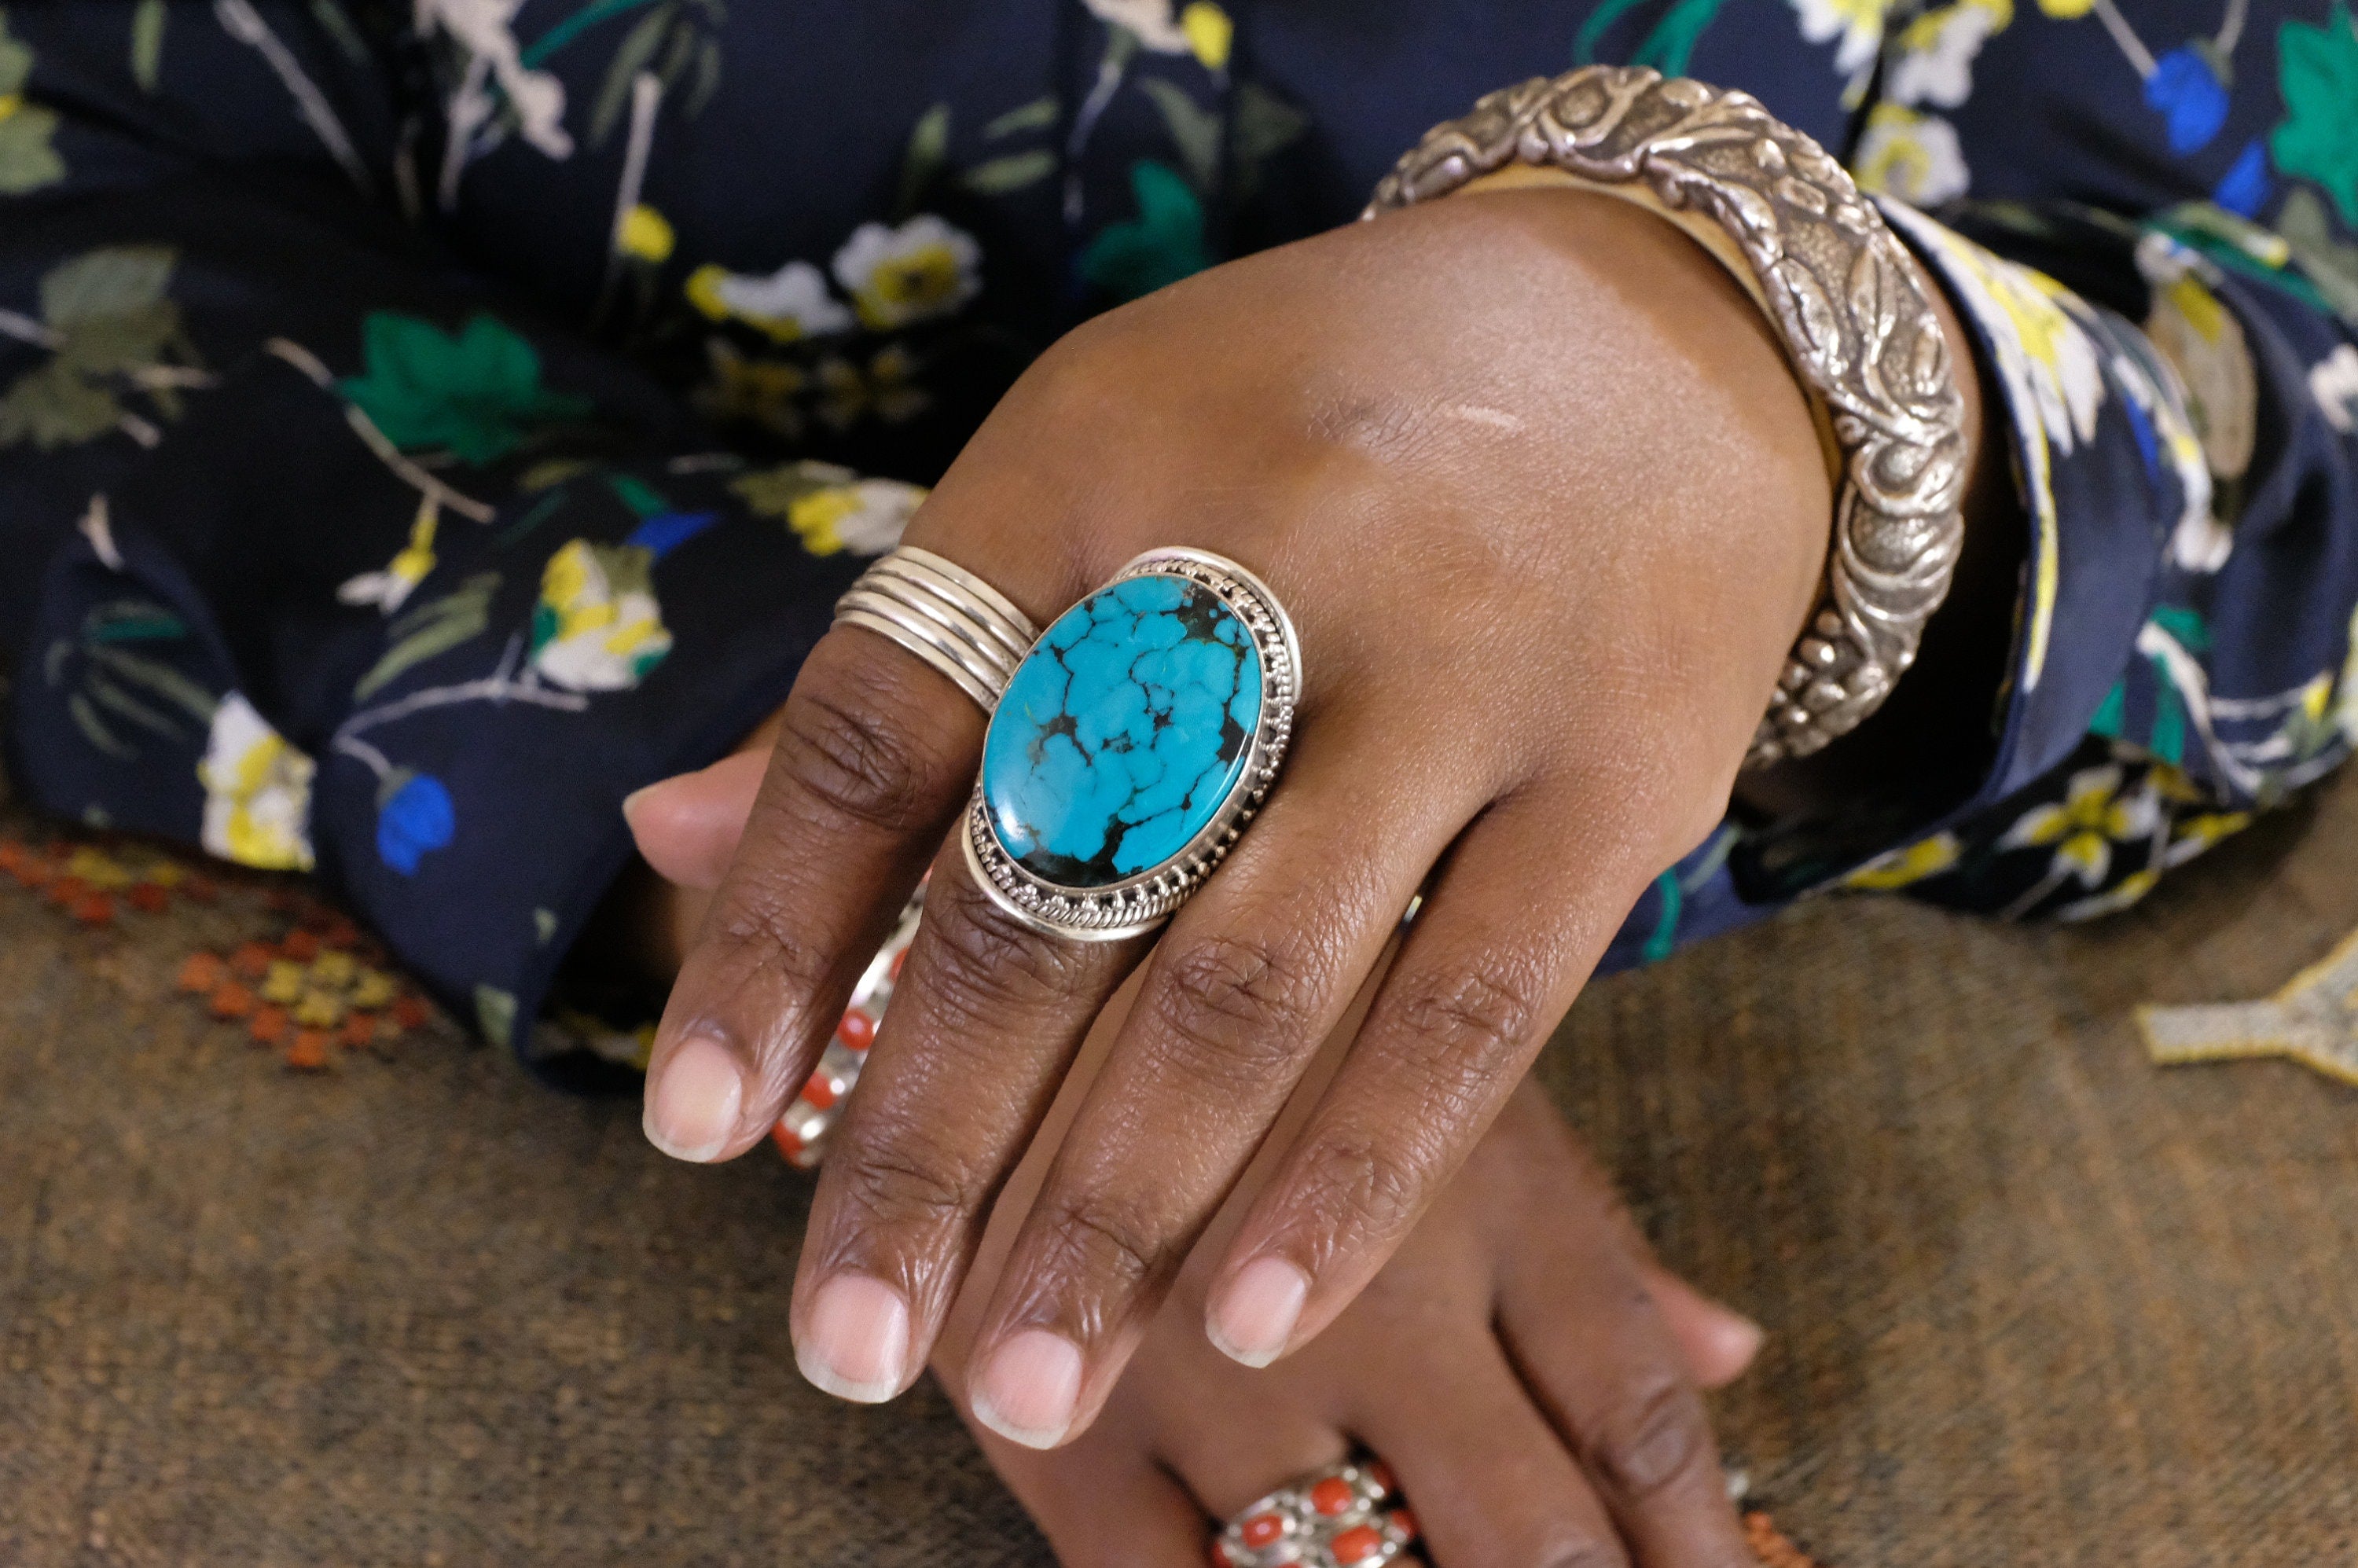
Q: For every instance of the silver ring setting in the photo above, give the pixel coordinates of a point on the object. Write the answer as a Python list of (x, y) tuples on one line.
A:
[(1136, 741), (946, 615), (1348, 1516)]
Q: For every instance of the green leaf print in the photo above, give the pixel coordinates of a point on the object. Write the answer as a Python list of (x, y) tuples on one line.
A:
[(433, 628), (477, 393), (637, 51), (2316, 71), (147, 43), (1194, 130), (1037, 116), (1001, 175), (929, 149), (1162, 245), (28, 161), (110, 326)]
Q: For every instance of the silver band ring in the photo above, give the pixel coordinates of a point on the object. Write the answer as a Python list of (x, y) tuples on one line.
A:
[(803, 1126), (946, 615), (1346, 1516), (1132, 745)]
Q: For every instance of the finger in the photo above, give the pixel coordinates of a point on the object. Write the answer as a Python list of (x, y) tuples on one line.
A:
[(875, 752), (1232, 1451), (1488, 1479), (1241, 990), (1716, 1342), (1508, 931), (1103, 1504), (688, 827), (1616, 1392), (985, 1018)]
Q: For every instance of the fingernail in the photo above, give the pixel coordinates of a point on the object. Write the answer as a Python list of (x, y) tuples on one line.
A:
[(631, 801), (857, 1345), (1254, 1318), (1740, 1339), (692, 1110), (1029, 1390)]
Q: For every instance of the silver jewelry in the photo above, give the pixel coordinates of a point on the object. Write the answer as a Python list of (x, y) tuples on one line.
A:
[(1348, 1516), (1842, 296), (1085, 889), (944, 614), (810, 1116)]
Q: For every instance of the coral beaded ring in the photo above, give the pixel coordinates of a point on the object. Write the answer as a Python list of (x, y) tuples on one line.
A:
[(1132, 745), (1348, 1515)]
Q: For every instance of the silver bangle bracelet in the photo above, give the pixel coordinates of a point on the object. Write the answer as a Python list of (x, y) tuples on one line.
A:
[(1842, 295)]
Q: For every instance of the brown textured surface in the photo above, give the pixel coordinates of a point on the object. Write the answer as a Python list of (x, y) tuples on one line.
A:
[(2032, 1300)]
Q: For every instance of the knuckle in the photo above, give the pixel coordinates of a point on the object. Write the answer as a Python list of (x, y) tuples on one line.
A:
[(1116, 1245), (901, 1179), (759, 918), (1468, 1021), (1357, 1185), (982, 964), (1649, 1437), (855, 763), (1238, 1006)]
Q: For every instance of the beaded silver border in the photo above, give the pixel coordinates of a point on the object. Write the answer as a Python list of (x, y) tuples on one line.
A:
[(1843, 297), (1141, 902)]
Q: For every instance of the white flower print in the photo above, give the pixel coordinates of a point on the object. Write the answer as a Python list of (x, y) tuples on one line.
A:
[(1934, 60), (598, 626), (788, 303), (481, 28), (2334, 381), (258, 792), (1200, 28), (1858, 23), (1912, 156), (897, 276), (865, 517)]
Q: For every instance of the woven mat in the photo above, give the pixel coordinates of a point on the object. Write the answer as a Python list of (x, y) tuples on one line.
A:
[(2032, 1300)]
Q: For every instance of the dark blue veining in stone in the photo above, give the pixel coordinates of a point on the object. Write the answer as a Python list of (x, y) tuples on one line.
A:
[(1123, 732)]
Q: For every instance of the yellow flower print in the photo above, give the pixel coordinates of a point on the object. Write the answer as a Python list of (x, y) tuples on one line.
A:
[(898, 277), (2067, 10), (887, 388), (2113, 900), (598, 626), (865, 517), (645, 234), (788, 304), (759, 392), (2053, 382), (2093, 816), (1934, 60), (1912, 156), (1200, 28), (1208, 32), (1925, 858), (389, 589), (258, 792)]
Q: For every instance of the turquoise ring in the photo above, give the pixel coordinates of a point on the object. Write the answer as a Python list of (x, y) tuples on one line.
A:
[(1132, 745)]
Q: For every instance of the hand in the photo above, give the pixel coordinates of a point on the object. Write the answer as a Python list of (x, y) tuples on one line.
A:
[(1522, 1361), (1545, 501)]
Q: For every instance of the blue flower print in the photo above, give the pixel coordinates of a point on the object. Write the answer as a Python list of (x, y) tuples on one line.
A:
[(2184, 87), (2244, 188), (414, 815), (667, 531)]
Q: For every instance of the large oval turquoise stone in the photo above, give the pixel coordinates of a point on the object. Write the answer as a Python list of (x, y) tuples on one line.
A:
[(1123, 732)]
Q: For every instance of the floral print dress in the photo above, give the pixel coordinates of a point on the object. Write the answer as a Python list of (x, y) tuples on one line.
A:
[(422, 422)]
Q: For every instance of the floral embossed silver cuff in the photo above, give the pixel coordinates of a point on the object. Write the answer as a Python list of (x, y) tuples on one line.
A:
[(1843, 294)]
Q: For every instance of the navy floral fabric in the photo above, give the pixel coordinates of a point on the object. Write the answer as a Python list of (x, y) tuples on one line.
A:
[(424, 421)]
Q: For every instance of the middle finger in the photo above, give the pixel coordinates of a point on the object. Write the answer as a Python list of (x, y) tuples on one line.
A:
[(1250, 975)]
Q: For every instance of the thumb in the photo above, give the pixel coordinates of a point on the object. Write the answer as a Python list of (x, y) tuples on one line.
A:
[(688, 826)]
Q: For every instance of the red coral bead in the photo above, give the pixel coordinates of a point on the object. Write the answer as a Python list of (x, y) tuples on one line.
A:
[(1262, 1530), (1332, 1496), (788, 1144), (857, 1029), (1221, 1557), (1382, 1478), (820, 1090), (1404, 1521), (1355, 1544)]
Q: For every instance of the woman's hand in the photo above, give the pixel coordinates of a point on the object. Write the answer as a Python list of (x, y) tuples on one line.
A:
[(1545, 503)]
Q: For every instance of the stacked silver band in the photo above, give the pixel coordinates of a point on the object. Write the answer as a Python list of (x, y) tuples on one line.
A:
[(1844, 295), (944, 614)]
